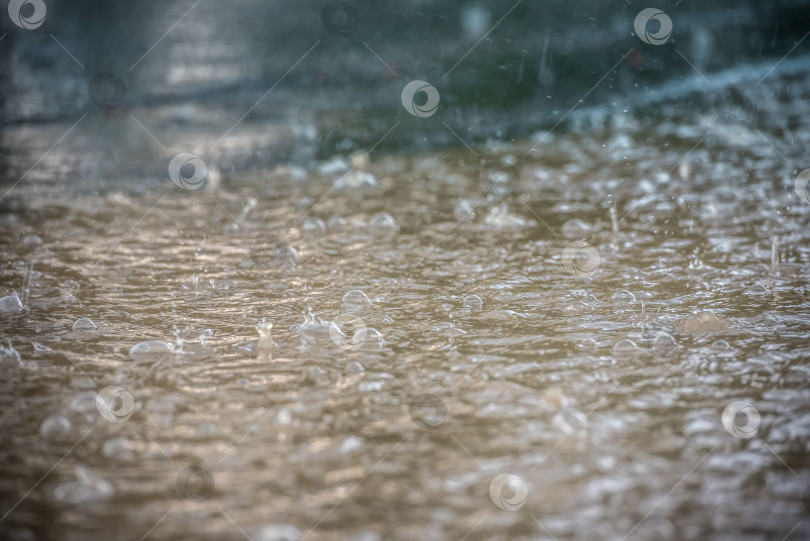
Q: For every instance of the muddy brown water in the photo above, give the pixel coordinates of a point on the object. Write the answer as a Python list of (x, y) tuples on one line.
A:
[(578, 317)]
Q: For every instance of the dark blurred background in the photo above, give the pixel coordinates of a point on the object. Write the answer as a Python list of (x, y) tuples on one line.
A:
[(190, 70)]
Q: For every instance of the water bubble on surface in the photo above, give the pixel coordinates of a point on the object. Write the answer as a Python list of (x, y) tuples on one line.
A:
[(336, 223), (355, 301), (84, 402), (369, 338), (9, 357), (586, 344), (356, 179), (84, 324), (464, 211), (10, 304), (625, 348), (664, 344), (501, 217), (568, 419), (623, 298), (501, 177), (149, 349), (576, 229), (315, 329), (30, 241), (334, 165), (313, 227), (86, 488), (382, 224), (721, 345), (118, 448), (55, 428), (473, 303), (278, 532), (354, 368), (703, 322)]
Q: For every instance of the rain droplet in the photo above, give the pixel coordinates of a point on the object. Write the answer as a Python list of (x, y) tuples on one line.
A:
[(83, 324), (55, 428), (355, 301)]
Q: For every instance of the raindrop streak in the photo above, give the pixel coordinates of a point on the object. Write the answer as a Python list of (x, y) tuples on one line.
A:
[(614, 219)]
